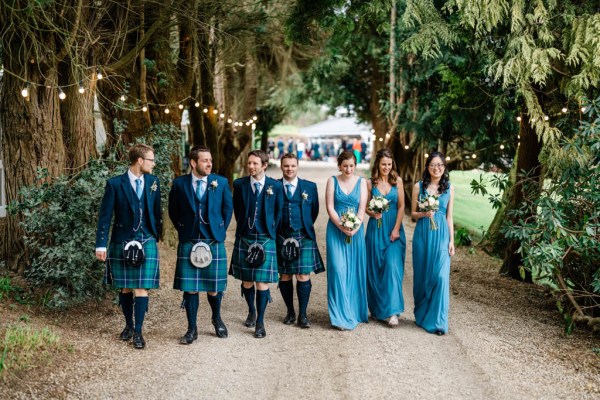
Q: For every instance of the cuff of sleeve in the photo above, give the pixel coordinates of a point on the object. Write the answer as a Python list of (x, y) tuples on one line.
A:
[(101, 249)]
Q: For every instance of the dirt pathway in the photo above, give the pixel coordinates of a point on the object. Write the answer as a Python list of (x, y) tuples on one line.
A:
[(496, 348)]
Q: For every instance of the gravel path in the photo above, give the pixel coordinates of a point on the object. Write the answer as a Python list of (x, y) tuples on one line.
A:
[(500, 345)]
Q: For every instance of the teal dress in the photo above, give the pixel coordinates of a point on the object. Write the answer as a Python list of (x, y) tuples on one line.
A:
[(431, 265), (346, 266), (385, 261)]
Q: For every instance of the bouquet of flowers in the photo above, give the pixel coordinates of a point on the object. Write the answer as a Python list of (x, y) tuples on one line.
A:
[(350, 222), (429, 203), (379, 205)]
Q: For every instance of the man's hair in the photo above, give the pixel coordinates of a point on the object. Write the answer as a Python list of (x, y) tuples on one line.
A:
[(289, 155), (137, 151), (264, 157), (198, 149)]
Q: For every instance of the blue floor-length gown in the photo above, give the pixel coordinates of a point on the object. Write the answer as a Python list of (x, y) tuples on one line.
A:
[(431, 265), (346, 266), (385, 261)]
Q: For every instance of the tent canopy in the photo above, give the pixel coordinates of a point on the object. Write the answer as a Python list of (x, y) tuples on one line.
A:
[(337, 128)]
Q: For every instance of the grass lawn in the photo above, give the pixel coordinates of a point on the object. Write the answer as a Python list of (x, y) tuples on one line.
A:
[(471, 211)]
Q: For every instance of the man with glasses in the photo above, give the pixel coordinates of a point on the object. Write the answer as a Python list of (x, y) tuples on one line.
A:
[(200, 207), (132, 260)]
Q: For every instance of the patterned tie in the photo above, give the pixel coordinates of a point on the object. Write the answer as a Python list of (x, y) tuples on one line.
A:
[(200, 189), (257, 188), (138, 188), (288, 190)]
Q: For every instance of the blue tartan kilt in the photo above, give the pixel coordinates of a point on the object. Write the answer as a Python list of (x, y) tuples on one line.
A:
[(310, 259), (123, 276), (267, 272), (193, 279)]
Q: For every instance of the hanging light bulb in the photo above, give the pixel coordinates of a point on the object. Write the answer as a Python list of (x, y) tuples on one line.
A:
[(501, 147), (447, 158), (519, 118), (406, 147), (144, 108), (81, 89), (122, 97), (99, 74), (426, 155), (25, 92), (167, 111), (180, 106), (221, 115), (61, 94), (467, 156), (474, 156), (205, 110), (196, 104), (229, 120), (215, 111), (381, 139), (583, 109), (253, 126), (564, 110), (518, 136), (254, 118), (546, 118)]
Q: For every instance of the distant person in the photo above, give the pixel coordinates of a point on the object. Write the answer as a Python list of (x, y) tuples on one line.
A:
[(343, 146), (357, 149), (346, 253), (271, 147), (300, 148), (363, 151), (432, 248), (316, 155), (290, 146), (386, 241), (132, 261), (280, 147)]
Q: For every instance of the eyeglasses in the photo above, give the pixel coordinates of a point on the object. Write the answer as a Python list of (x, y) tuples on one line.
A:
[(148, 159), (436, 165)]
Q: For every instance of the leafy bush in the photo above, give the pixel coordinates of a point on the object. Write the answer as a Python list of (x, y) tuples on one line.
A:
[(462, 237), (60, 218)]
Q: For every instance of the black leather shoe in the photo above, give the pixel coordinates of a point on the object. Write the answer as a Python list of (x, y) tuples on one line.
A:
[(138, 340), (189, 337), (220, 328), (250, 320), (303, 322), (439, 333), (290, 318), (127, 333), (259, 331)]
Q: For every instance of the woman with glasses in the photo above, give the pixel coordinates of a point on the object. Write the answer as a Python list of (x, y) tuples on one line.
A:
[(386, 242), (433, 245)]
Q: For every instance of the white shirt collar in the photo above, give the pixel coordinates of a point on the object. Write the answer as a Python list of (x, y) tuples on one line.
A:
[(294, 182), (132, 178), (262, 182), (195, 179)]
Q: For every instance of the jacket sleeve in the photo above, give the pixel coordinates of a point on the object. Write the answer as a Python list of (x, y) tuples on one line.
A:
[(173, 207), (158, 212), (105, 215), (227, 204), (238, 202), (278, 207), (315, 204)]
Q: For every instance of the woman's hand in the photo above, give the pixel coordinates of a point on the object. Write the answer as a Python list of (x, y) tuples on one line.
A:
[(451, 248), (376, 215), (395, 234), (430, 214)]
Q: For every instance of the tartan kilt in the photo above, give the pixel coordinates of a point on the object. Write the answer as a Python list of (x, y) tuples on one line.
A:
[(310, 259), (193, 279), (123, 276), (240, 269)]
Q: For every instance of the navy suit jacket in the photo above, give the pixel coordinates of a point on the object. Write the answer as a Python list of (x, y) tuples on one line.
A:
[(310, 206), (182, 206), (272, 204), (118, 200)]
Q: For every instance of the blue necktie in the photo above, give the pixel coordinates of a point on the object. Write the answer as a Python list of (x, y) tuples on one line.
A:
[(257, 188), (138, 188), (288, 190), (200, 188)]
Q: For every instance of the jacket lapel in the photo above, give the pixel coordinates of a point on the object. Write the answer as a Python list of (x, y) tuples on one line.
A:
[(128, 190), (188, 190)]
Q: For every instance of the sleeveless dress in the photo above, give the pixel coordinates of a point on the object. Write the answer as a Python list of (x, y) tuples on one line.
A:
[(385, 261), (431, 265), (346, 266)]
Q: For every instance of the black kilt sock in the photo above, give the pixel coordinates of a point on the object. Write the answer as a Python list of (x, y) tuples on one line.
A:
[(262, 298), (303, 292), (126, 302), (287, 292), (140, 307), (192, 301), (249, 293), (215, 305)]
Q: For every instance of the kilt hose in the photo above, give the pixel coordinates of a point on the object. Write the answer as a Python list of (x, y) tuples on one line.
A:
[(123, 276), (310, 259), (267, 272), (189, 278)]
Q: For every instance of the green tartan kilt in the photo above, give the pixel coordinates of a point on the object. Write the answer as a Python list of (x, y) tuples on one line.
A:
[(193, 279), (267, 272), (123, 276), (310, 259)]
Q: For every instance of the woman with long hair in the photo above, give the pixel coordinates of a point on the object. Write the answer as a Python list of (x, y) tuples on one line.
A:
[(386, 242), (346, 198), (433, 245)]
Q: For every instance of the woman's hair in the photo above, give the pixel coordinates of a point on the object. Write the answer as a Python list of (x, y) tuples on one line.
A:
[(385, 152), (345, 155), (444, 180)]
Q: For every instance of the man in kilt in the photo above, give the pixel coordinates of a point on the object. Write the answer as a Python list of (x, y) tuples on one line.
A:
[(200, 207), (257, 205), (134, 200), (300, 211)]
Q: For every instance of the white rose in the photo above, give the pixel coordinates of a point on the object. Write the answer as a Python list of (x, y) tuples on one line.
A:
[(351, 215), (431, 201), (348, 224), (379, 204)]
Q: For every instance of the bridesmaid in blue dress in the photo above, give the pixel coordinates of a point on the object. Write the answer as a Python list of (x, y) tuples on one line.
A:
[(346, 262), (432, 249), (386, 245)]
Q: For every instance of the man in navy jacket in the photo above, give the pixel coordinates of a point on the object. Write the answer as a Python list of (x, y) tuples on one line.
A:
[(134, 200), (200, 207)]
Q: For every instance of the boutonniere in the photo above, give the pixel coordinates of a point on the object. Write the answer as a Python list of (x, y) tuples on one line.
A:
[(270, 190), (304, 196), (214, 185), (154, 186)]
